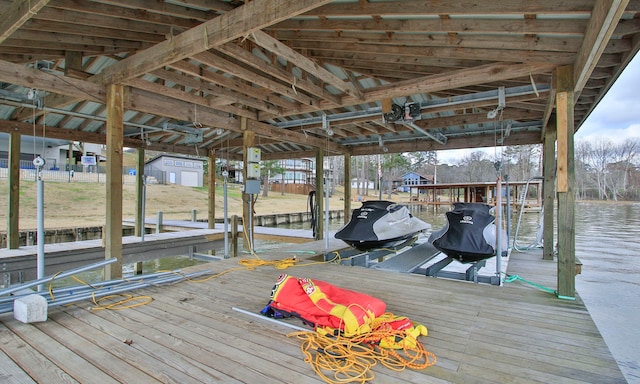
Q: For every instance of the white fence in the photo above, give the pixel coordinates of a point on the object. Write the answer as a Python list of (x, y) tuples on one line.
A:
[(77, 173)]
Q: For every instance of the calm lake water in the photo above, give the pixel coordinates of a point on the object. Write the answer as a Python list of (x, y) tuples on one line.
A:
[(608, 245)]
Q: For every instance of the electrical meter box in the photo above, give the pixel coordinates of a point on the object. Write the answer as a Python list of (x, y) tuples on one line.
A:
[(253, 171), (253, 155), (252, 187)]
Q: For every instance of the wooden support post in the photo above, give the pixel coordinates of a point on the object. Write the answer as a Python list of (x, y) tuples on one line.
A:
[(565, 183), (140, 225), (434, 199), (387, 105), (115, 129), (72, 62), (211, 203), (13, 234), (320, 193), (347, 188), (548, 190), (248, 140)]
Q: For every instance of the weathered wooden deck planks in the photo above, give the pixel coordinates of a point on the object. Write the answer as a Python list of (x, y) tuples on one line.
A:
[(191, 334)]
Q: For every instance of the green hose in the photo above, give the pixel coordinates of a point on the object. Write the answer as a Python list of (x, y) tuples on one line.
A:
[(512, 278)]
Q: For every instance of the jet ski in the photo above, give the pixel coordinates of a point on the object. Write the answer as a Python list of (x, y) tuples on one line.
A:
[(380, 223), (469, 234)]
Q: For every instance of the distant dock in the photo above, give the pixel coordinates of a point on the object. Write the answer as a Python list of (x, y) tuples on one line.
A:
[(445, 194)]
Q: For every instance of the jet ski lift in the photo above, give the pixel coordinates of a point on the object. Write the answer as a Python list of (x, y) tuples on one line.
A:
[(469, 237), (404, 257), (537, 243)]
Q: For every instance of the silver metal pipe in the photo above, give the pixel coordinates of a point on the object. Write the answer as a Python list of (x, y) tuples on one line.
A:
[(438, 140), (169, 277), (128, 287), (424, 106), (326, 216), (97, 285), (272, 320), (499, 231), (143, 225), (68, 273), (40, 221), (85, 116), (226, 218)]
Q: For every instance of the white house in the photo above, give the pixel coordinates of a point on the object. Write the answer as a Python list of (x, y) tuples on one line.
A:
[(167, 169), (355, 183), (55, 152)]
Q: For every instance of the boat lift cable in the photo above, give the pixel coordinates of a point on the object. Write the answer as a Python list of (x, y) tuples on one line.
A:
[(538, 241)]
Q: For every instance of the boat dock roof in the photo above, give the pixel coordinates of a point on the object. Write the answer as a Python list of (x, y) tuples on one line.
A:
[(190, 332)]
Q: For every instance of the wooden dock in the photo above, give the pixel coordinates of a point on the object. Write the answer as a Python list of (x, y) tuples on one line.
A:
[(446, 194), (65, 256), (186, 238), (284, 235), (190, 334)]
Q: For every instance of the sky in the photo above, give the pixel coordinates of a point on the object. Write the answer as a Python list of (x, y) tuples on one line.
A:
[(616, 117)]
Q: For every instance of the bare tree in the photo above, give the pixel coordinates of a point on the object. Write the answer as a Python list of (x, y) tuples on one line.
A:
[(628, 152), (522, 161), (603, 152), (477, 167), (584, 179)]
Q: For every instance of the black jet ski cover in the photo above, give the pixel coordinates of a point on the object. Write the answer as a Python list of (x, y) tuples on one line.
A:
[(469, 235), (380, 223)]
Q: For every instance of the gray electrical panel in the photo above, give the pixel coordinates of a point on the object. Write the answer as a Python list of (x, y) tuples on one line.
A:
[(252, 187)]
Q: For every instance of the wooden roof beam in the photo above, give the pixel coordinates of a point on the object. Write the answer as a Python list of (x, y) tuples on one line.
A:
[(452, 143), (416, 51), (604, 19), (242, 92), (152, 103), (240, 72), (29, 77), (230, 26), (456, 79), (273, 45), (457, 7), (162, 7), (508, 27), (18, 13), (252, 60)]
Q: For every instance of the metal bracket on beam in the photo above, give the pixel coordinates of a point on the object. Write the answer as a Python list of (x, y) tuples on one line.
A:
[(441, 139)]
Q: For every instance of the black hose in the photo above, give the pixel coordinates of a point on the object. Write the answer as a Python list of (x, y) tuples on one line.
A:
[(313, 207)]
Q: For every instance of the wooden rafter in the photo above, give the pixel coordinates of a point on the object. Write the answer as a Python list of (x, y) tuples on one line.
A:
[(600, 28), (232, 25), (269, 43), (253, 61), (458, 7), (17, 14)]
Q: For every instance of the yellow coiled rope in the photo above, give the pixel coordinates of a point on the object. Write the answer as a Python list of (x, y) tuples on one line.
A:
[(350, 360)]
